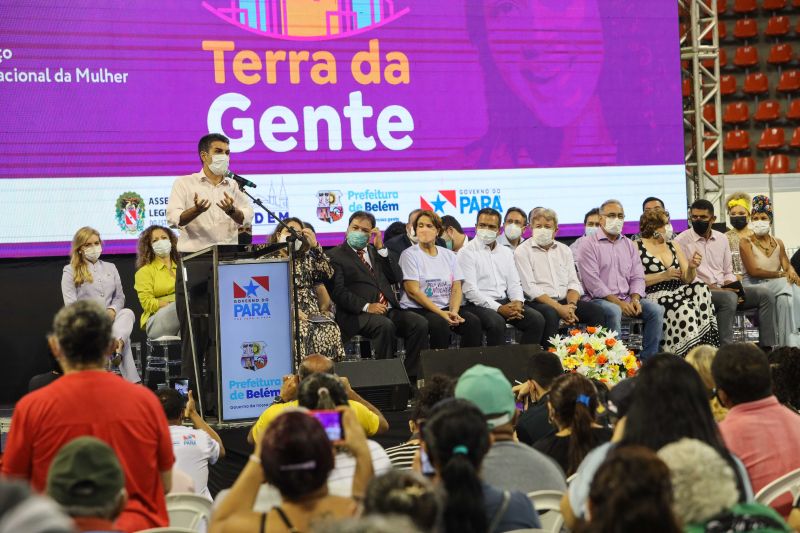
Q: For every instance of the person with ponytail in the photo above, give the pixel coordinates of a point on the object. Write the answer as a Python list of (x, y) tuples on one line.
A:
[(88, 278), (572, 406), (156, 269), (456, 439)]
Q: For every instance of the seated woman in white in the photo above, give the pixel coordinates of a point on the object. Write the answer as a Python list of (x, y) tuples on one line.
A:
[(88, 278)]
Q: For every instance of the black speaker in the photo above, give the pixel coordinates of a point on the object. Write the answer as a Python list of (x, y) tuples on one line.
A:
[(382, 382), (511, 359)]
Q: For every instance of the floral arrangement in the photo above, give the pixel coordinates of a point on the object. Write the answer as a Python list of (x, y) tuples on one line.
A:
[(595, 353)]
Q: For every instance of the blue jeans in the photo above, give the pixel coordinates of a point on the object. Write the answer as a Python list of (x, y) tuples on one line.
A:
[(652, 316)]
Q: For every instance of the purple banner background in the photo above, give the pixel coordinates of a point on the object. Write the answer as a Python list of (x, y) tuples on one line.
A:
[(492, 85)]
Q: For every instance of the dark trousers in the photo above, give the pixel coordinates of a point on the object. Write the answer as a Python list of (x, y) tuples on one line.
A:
[(439, 330), (382, 330), (588, 313), (494, 325)]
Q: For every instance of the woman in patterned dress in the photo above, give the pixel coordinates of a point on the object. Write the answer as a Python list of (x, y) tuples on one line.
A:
[(319, 333), (689, 313)]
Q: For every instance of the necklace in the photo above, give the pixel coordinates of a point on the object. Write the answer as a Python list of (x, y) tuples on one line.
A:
[(768, 249)]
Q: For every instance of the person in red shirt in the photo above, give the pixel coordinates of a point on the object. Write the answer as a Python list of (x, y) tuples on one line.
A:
[(90, 401), (764, 434)]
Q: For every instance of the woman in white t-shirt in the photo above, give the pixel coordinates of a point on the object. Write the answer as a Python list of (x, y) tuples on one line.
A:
[(432, 282)]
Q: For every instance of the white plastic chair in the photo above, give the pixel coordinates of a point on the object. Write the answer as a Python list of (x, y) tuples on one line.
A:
[(168, 529), (548, 505), (788, 483), (188, 510)]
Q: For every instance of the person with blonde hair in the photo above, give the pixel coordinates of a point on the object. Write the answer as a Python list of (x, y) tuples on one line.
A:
[(701, 357), (738, 207), (88, 278), (156, 269)]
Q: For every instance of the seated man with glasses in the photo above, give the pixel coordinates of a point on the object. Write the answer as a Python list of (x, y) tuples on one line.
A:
[(613, 276)]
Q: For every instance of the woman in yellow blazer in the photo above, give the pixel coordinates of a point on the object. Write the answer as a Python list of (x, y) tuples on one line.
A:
[(157, 264)]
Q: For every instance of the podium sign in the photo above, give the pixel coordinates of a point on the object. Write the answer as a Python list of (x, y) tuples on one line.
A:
[(254, 339)]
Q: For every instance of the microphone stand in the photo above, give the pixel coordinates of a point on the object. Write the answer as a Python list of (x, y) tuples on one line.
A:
[(294, 236)]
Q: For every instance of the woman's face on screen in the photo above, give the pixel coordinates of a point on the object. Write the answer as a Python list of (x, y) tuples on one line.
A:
[(549, 52)]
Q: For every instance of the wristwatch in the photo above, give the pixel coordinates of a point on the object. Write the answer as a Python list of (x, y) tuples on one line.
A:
[(278, 399)]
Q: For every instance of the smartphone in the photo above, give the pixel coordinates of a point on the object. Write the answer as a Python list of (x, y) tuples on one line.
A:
[(331, 422), (182, 386), (427, 467)]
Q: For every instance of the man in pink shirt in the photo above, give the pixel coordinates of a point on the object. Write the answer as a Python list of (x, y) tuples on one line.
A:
[(764, 434)]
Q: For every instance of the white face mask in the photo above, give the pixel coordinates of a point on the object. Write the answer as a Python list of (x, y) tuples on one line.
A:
[(512, 232), (590, 230), (760, 227), (486, 236), (613, 226), (413, 238), (297, 244), (92, 253), (219, 164), (543, 236), (670, 232), (162, 247)]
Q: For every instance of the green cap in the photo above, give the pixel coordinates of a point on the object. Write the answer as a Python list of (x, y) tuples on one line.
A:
[(490, 391), (85, 472)]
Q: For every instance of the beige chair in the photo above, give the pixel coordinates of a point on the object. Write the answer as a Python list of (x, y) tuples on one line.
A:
[(789, 483), (548, 505), (188, 510)]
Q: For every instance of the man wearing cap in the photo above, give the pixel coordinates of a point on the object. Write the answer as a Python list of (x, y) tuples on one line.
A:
[(509, 465), (86, 479)]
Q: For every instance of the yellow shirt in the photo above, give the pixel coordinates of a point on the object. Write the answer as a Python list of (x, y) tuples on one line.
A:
[(154, 284), (368, 420)]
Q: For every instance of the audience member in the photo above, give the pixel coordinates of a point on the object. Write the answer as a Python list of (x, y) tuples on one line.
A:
[(366, 304), (738, 206), (591, 224), (195, 448), (572, 405), (509, 465), (409, 238), (784, 365), (456, 438), (705, 494), (767, 266), (716, 271), (669, 280), (88, 278), (452, 233), (514, 225), (631, 492), (436, 389), (87, 402), (296, 457), (86, 480), (432, 282), (613, 276), (326, 392), (157, 263), (796, 261), (404, 493), (45, 378), (371, 419), (492, 286), (620, 398), (764, 434), (534, 423), (700, 357), (22, 510), (394, 229), (549, 279)]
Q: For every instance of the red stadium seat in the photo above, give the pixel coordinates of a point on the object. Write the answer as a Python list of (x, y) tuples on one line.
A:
[(744, 7), (743, 165), (736, 113), (794, 142), (767, 111), (780, 54), (746, 57), (745, 29), (756, 83), (710, 113), (686, 87), (793, 113), (722, 7), (777, 164), (777, 26), (789, 82), (723, 60), (727, 85), (773, 5), (712, 166), (771, 139), (722, 29), (683, 29), (736, 141)]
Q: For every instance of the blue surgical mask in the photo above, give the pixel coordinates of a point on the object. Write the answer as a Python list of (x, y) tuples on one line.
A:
[(357, 239)]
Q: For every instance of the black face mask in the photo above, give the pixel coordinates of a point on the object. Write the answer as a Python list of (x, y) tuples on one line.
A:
[(701, 226), (739, 222)]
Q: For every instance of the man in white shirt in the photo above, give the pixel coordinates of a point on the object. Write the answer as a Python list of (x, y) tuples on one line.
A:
[(549, 279), (194, 448), (492, 286), (513, 227)]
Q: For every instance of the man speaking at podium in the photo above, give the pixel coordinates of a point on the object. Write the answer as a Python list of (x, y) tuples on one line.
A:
[(207, 208)]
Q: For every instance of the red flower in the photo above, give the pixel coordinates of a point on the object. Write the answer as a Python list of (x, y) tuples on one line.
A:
[(551, 350), (591, 329), (602, 359), (572, 349), (574, 332), (611, 342), (588, 350), (631, 372)]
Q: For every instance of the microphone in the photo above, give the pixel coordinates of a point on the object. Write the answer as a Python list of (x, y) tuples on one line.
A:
[(243, 182)]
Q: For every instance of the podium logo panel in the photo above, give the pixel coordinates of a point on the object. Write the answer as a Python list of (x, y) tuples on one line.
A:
[(251, 298)]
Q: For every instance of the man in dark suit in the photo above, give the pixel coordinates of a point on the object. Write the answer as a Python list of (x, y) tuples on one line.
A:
[(365, 302)]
